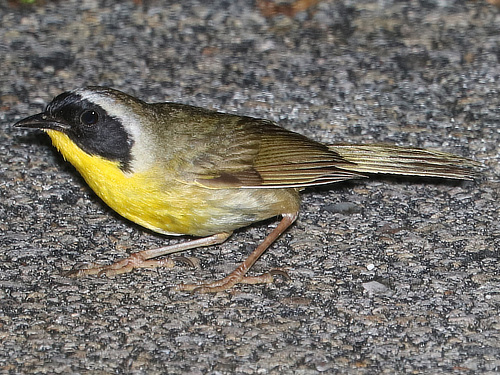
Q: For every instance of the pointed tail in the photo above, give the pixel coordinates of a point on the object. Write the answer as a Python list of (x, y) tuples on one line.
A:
[(389, 159)]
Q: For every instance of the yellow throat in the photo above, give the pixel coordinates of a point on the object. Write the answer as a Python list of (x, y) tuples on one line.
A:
[(137, 196)]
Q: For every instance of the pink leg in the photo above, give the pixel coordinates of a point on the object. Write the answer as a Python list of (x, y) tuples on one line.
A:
[(238, 275), (143, 259)]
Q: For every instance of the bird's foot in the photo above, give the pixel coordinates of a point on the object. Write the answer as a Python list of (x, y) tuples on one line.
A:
[(134, 261), (235, 277)]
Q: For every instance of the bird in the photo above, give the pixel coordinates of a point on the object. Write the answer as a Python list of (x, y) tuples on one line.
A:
[(178, 169)]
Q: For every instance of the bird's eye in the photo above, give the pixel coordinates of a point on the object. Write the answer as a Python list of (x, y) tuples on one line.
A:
[(89, 117)]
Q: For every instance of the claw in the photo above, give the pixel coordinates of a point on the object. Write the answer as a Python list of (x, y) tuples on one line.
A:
[(188, 261), (71, 273), (280, 272)]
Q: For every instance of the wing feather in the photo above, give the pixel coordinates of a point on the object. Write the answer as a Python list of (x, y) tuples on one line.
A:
[(262, 154)]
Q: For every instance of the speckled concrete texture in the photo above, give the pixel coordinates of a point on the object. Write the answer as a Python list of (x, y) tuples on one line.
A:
[(388, 276)]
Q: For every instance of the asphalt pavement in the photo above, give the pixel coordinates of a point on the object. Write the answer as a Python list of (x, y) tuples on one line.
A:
[(387, 276)]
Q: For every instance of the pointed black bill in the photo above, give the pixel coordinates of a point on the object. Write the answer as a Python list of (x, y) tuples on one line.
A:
[(42, 121)]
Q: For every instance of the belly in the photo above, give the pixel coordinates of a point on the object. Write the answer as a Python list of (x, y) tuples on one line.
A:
[(189, 209)]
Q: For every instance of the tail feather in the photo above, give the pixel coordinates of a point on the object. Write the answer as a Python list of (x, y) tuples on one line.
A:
[(389, 159)]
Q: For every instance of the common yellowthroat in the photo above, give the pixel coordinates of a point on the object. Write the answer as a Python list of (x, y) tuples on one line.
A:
[(183, 170)]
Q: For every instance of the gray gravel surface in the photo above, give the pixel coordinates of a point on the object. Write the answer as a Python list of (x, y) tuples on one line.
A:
[(388, 276)]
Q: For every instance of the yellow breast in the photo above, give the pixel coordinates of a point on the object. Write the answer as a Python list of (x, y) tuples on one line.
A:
[(140, 197)]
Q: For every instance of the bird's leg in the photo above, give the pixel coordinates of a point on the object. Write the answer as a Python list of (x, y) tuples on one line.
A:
[(238, 275), (144, 259)]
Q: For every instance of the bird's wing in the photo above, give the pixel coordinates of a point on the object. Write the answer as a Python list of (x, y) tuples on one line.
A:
[(257, 153)]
